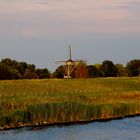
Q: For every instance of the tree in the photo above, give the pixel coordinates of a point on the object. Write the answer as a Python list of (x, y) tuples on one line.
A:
[(18, 70), (30, 75), (9, 62), (93, 71), (97, 65), (15, 74), (139, 71), (43, 73), (81, 70), (59, 72), (122, 71), (5, 73), (108, 69), (31, 67), (134, 66), (22, 66)]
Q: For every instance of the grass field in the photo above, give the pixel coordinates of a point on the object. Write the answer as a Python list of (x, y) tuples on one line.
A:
[(37, 102)]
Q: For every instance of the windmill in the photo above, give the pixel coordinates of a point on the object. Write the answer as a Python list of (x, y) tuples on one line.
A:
[(69, 65)]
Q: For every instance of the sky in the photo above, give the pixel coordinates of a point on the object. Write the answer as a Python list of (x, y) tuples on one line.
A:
[(40, 31)]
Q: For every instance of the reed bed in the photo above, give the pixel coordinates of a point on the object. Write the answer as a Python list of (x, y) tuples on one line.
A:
[(38, 102)]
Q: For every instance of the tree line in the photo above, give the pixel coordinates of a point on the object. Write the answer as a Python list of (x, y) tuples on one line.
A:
[(12, 69), (106, 69)]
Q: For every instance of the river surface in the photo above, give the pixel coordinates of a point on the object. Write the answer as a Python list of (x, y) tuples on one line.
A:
[(124, 129)]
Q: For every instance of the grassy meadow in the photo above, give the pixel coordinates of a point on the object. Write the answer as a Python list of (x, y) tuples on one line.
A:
[(38, 102)]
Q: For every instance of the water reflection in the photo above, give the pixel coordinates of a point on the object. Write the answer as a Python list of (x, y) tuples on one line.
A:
[(125, 129)]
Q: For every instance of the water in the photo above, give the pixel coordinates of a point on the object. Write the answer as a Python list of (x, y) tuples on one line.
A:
[(125, 129)]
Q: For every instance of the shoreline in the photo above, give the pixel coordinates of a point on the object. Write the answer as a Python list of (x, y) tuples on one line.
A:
[(45, 124)]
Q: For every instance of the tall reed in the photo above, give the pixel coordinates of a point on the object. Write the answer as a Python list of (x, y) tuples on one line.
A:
[(35, 102)]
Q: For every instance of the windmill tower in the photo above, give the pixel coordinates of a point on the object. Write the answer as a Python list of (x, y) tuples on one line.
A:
[(69, 65)]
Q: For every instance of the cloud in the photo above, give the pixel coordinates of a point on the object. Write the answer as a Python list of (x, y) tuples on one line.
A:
[(17, 7), (28, 32), (36, 18)]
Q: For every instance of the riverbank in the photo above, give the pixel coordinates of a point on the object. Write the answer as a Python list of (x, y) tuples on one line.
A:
[(47, 102), (45, 124)]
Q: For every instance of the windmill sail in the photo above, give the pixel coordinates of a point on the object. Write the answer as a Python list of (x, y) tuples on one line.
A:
[(69, 65), (70, 52)]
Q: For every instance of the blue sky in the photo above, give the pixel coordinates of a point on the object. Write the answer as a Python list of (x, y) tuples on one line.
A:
[(40, 31)]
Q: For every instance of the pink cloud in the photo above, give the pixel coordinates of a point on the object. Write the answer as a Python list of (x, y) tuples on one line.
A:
[(28, 32), (60, 17)]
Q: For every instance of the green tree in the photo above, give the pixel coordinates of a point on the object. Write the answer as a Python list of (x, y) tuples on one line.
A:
[(5, 73), (43, 73), (19, 70), (97, 65), (108, 69), (122, 71), (30, 75), (15, 74), (139, 71), (93, 71), (134, 66), (32, 67), (9, 62), (22, 66), (59, 72)]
